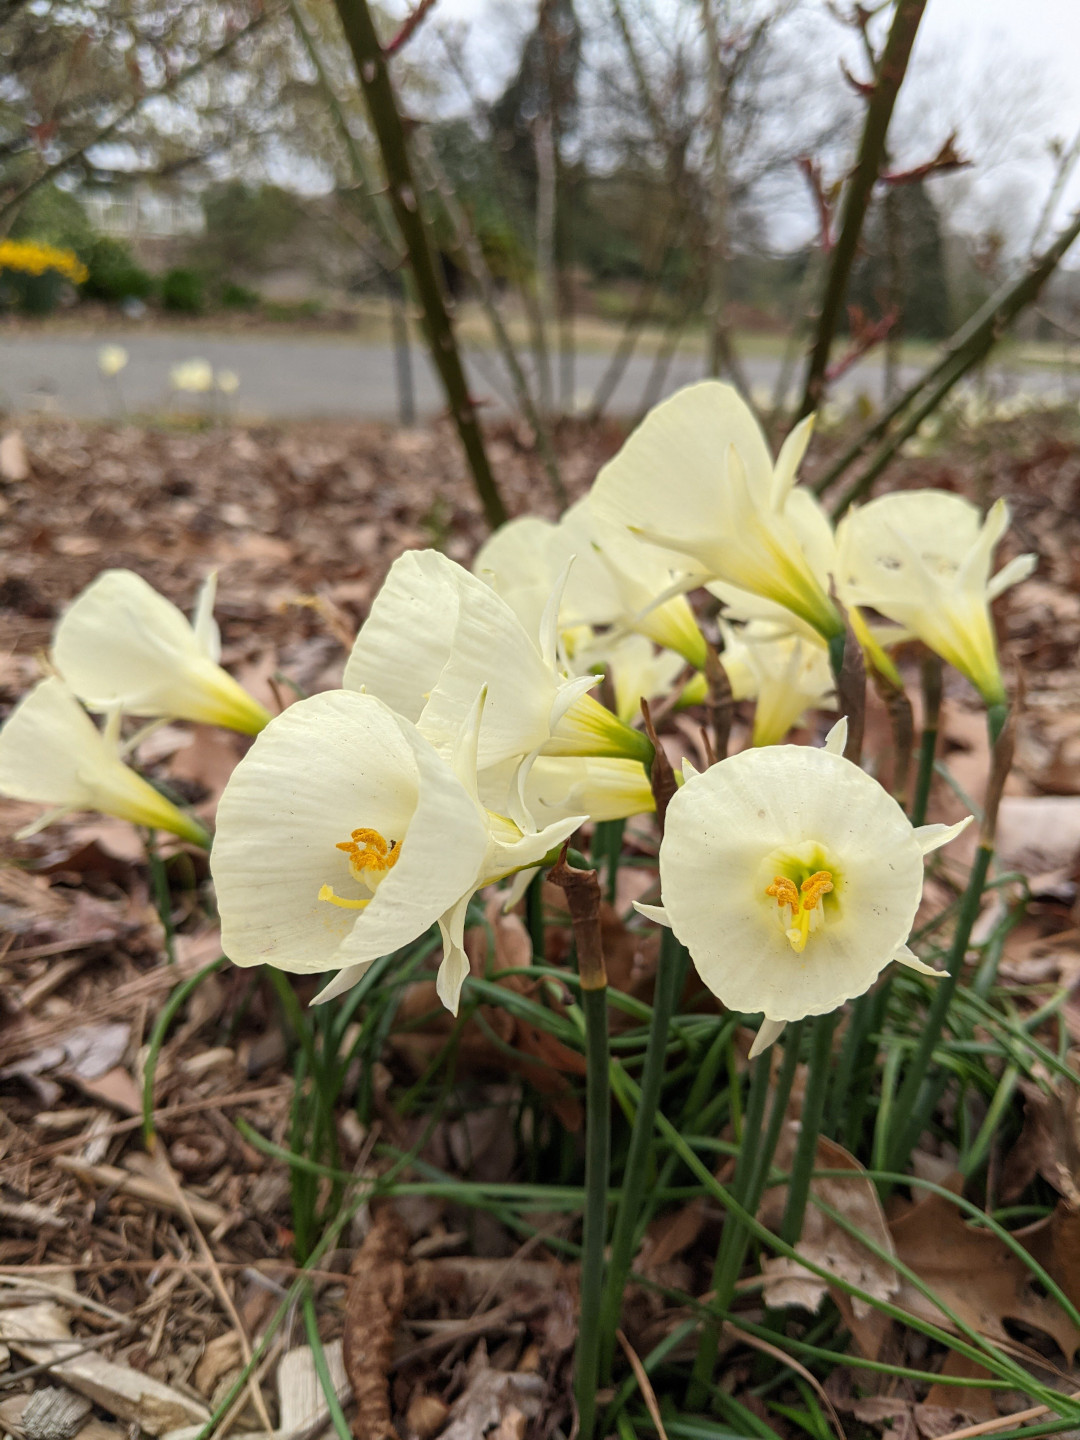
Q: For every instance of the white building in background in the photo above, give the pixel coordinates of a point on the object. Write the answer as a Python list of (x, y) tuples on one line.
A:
[(143, 214)]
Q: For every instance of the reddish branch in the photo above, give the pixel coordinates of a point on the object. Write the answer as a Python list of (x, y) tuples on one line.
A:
[(816, 181), (864, 336), (409, 27), (947, 159)]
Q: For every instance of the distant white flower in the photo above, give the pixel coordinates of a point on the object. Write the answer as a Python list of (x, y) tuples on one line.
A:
[(228, 382), (51, 752), (436, 634), (343, 835), (196, 376), (111, 360), (785, 674), (793, 879), (923, 558), (696, 477), (121, 645), (638, 670)]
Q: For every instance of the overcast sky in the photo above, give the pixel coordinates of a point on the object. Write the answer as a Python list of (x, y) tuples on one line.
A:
[(1006, 54)]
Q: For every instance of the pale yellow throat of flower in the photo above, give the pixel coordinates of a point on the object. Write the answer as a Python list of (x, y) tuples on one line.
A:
[(800, 910), (371, 855)]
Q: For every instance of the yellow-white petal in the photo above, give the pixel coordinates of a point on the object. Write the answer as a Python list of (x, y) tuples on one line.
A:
[(696, 477), (328, 765), (122, 645), (731, 830), (922, 558), (932, 837), (53, 753), (769, 1031), (435, 635), (596, 788)]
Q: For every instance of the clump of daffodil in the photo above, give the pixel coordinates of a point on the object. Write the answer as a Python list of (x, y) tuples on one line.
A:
[(793, 878), (53, 754), (436, 634), (696, 477), (922, 558), (111, 360), (121, 645), (614, 580), (344, 834), (785, 675)]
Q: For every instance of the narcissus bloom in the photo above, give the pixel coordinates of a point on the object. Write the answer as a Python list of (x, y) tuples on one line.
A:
[(196, 376), (923, 558), (344, 834), (615, 580), (696, 477), (786, 675), (793, 878), (436, 634), (121, 645), (51, 752), (111, 360), (600, 788)]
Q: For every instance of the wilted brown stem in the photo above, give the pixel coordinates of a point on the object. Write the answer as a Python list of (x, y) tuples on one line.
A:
[(582, 891), (661, 775)]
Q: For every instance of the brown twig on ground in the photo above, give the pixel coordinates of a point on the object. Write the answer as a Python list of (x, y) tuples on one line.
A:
[(373, 1306)]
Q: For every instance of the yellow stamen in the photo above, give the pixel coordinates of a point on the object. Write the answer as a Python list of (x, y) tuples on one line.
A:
[(813, 889), (368, 850), (370, 856), (784, 891), (327, 893)]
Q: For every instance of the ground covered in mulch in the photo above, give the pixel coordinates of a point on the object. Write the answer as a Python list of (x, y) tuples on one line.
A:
[(170, 1261)]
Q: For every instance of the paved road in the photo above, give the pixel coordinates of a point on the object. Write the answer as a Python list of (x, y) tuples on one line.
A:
[(310, 377)]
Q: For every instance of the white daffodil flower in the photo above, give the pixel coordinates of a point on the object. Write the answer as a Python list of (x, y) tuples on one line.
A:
[(696, 477), (785, 674), (923, 558), (196, 376), (344, 834), (436, 634), (121, 645), (111, 360), (599, 788), (227, 382), (52, 753), (614, 580), (792, 878)]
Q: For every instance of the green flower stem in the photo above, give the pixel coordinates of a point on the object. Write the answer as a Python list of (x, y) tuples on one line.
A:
[(931, 693), (670, 975), (597, 1164), (606, 849), (756, 1153), (817, 1084), (915, 1096)]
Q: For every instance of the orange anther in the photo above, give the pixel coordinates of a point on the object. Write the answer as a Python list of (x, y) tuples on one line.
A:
[(784, 892), (814, 887)]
